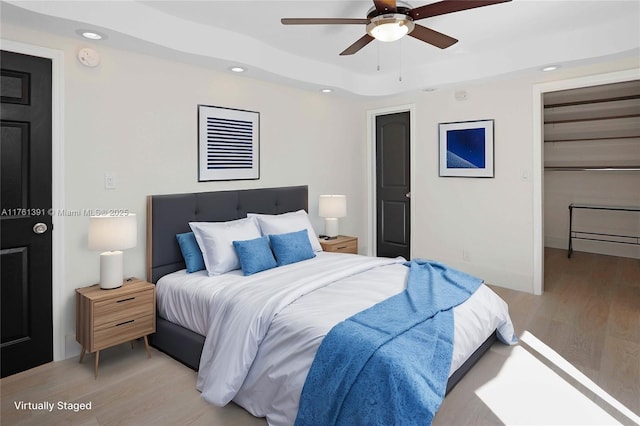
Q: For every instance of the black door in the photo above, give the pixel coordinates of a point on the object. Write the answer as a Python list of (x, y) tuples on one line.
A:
[(393, 191), (25, 252)]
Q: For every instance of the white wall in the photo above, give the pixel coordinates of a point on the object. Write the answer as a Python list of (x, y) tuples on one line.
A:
[(600, 188), (136, 116), (492, 220), (613, 188), (488, 218)]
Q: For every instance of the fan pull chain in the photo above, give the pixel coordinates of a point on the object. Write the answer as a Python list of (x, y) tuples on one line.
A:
[(378, 50), (400, 61)]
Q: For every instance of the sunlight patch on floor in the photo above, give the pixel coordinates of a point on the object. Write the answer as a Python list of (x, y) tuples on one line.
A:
[(551, 355), (526, 391)]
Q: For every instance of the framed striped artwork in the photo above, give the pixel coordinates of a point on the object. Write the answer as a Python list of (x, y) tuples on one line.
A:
[(228, 144)]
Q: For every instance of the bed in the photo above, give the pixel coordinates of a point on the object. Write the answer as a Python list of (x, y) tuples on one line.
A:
[(267, 378)]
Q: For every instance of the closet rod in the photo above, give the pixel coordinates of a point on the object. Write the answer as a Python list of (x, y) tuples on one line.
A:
[(593, 168)]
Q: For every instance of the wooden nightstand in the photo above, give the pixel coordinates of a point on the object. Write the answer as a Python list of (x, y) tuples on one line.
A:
[(341, 244), (106, 318)]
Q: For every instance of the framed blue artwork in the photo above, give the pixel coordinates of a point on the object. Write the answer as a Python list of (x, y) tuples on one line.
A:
[(466, 149)]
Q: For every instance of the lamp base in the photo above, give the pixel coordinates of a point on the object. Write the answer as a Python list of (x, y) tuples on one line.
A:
[(331, 227), (111, 270)]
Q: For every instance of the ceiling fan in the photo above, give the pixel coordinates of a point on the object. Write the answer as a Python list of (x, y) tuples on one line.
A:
[(390, 20)]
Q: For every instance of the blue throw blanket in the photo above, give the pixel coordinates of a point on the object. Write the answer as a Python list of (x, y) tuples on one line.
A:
[(389, 364)]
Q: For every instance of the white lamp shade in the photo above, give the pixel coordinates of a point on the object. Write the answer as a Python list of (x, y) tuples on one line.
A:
[(332, 206), (112, 232)]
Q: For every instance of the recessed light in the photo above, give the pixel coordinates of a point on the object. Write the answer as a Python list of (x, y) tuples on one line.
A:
[(550, 68), (326, 90), (237, 69), (90, 34)]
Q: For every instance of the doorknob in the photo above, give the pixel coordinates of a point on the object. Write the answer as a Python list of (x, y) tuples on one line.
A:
[(408, 195), (40, 228)]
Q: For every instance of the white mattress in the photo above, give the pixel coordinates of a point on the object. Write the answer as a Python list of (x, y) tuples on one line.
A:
[(275, 375)]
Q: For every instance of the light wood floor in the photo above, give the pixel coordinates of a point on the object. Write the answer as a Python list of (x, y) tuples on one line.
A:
[(589, 316)]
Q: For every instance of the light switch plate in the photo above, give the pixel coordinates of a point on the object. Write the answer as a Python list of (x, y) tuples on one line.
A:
[(109, 180)]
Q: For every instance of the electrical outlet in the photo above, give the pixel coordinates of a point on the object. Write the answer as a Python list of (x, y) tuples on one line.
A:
[(109, 181), (466, 255)]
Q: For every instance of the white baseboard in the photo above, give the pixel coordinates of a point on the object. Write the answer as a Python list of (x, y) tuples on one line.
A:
[(71, 346)]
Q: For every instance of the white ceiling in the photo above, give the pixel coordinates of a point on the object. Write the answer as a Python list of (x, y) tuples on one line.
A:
[(520, 36)]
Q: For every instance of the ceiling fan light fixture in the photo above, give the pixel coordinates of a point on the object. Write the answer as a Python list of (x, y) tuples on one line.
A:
[(390, 27)]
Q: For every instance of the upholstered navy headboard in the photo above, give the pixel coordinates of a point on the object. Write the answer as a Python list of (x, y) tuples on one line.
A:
[(168, 215)]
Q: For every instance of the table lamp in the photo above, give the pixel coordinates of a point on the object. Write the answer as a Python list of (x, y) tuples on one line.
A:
[(112, 234), (332, 207)]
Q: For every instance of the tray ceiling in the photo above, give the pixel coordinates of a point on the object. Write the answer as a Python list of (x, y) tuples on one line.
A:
[(520, 36)]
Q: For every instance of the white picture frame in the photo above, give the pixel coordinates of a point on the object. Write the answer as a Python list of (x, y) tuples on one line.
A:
[(228, 144), (466, 149)]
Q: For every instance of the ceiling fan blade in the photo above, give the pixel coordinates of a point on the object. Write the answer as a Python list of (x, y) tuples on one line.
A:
[(385, 6), (449, 6), (322, 21), (432, 37), (355, 47)]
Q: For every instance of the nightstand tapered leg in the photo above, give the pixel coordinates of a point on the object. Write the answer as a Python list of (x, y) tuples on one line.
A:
[(97, 361), (84, 351), (146, 345)]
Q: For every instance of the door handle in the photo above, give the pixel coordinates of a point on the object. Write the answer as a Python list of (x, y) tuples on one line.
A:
[(40, 228), (408, 194)]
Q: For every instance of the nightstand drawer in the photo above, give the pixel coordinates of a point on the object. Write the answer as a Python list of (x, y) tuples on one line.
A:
[(340, 244), (346, 247), (123, 307), (119, 332)]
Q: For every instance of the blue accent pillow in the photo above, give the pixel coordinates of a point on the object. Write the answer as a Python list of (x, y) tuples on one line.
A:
[(291, 247), (190, 252), (254, 255)]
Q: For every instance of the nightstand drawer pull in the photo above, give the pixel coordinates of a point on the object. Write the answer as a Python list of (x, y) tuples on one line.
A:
[(123, 323), (123, 307)]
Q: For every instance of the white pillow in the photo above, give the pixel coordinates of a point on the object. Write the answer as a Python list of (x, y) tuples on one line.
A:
[(216, 242), (287, 222)]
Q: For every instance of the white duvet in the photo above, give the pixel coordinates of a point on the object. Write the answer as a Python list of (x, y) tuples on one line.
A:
[(262, 331)]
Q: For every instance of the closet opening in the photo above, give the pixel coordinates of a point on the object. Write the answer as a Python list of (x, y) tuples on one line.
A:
[(591, 192)]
